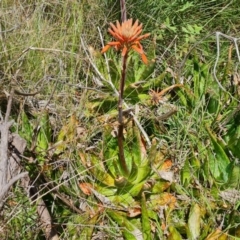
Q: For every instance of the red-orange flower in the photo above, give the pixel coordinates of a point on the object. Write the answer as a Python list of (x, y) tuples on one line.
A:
[(128, 37)]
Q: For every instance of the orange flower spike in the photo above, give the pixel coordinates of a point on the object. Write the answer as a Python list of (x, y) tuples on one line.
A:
[(127, 38)]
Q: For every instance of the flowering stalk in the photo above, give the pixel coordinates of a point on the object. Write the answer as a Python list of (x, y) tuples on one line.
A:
[(120, 117), (127, 36)]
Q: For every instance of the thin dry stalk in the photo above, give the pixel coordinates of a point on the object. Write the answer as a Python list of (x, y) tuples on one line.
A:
[(6, 178), (123, 10)]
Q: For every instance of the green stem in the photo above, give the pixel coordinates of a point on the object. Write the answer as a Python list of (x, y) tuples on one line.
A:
[(120, 118)]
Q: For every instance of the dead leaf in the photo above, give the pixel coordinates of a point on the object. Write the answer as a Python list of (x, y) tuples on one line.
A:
[(86, 188), (169, 200), (230, 195), (133, 212), (168, 176), (166, 165)]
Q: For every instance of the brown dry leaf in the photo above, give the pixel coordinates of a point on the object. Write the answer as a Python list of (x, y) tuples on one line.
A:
[(133, 212), (164, 171), (230, 195), (163, 200), (143, 147), (167, 199), (46, 167), (166, 165), (157, 97), (83, 158), (166, 175), (86, 188), (163, 226), (12, 203), (81, 132)]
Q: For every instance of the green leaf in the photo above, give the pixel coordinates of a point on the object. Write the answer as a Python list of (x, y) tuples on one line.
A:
[(186, 174), (130, 232), (99, 172), (234, 177), (185, 6), (145, 71), (135, 144), (144, 171), (167, 23), (154, 82), (26, 129), (146, 226), (110, 152), (174, 234), (212, 103), (122, 197), (160, 186), (218, 161), (44, 135), (87, 232), (194, 221), (136, 189)]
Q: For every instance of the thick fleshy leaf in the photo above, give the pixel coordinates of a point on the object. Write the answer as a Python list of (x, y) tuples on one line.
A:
[(144, 171), (110, 152), (99, 171), (123, 199)]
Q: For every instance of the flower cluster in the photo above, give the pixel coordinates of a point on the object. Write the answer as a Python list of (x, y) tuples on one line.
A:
[(127, 36)]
